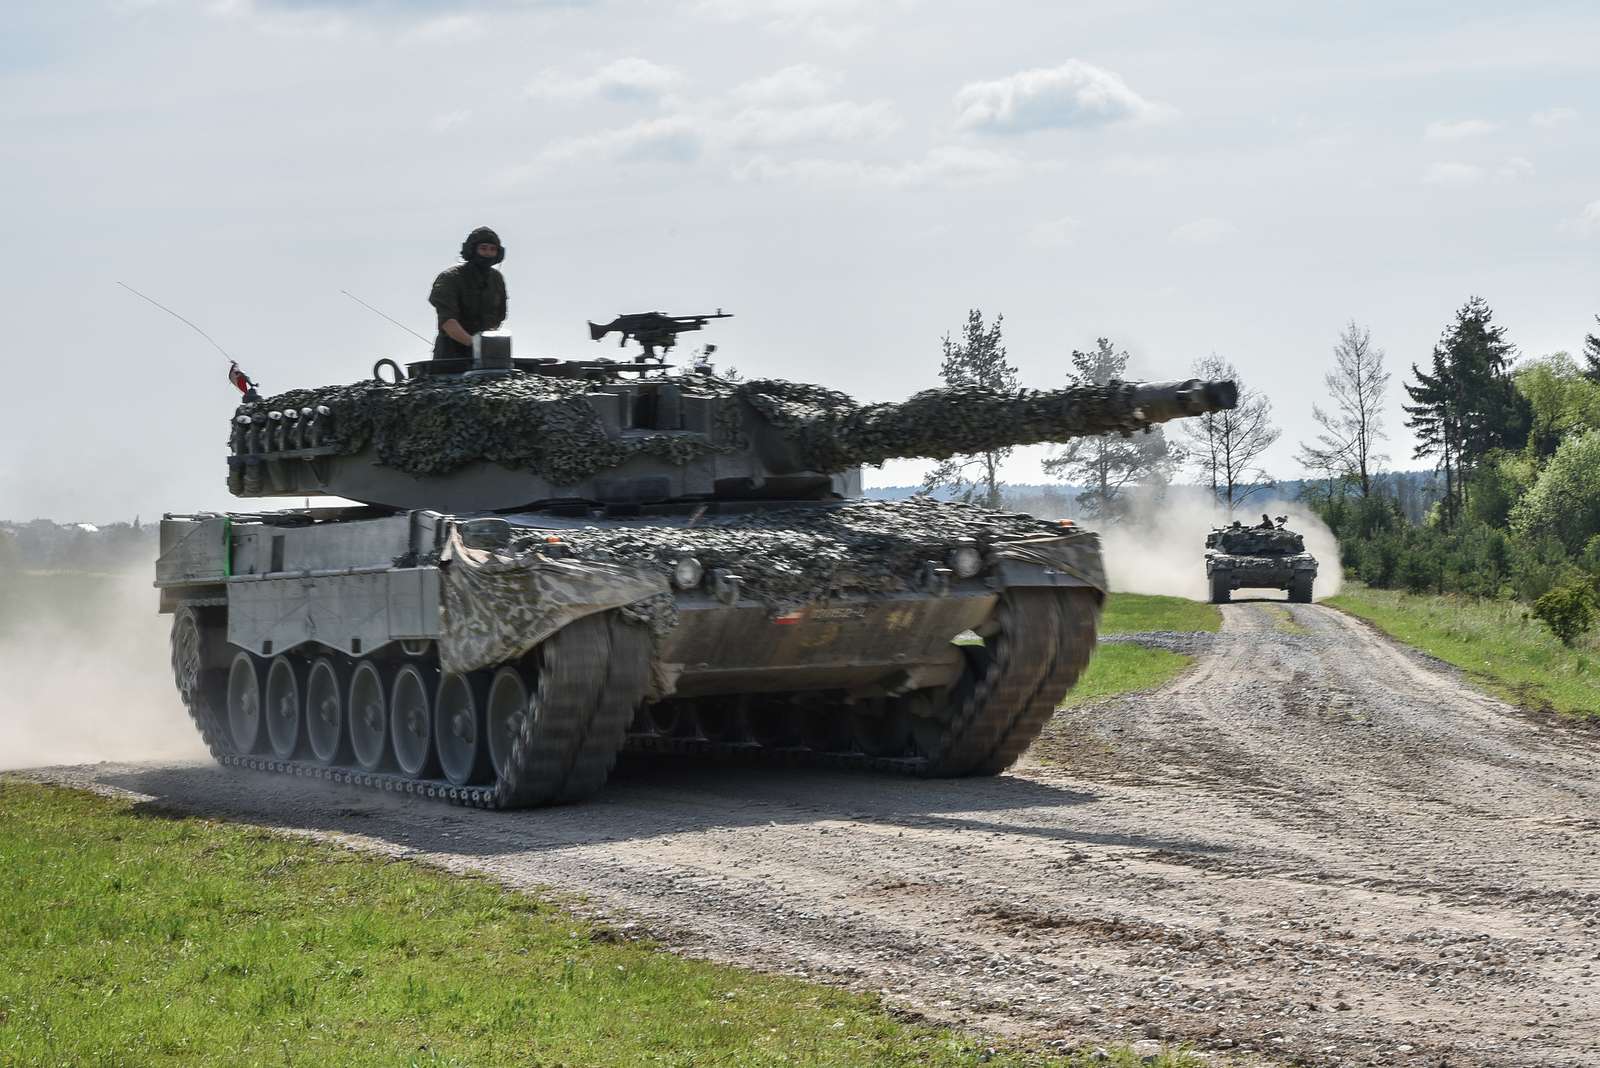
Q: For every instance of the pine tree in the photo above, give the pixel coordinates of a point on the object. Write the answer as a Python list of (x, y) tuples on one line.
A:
[(1591, 354), (1107, 464), (978, 359), (1467, 403)]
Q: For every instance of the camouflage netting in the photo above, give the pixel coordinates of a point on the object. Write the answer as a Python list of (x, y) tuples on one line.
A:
[(832, 432), (1256, 541), (789, 556), (435, 425)]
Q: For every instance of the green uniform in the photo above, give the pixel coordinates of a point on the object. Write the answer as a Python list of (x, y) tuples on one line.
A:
[(473, 296)]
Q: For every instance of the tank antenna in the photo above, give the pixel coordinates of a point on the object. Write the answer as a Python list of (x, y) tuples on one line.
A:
[(393, 320), (180, 319)]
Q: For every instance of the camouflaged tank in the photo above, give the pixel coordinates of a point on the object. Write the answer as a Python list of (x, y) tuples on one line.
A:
[(1265, 556), (553, 562)]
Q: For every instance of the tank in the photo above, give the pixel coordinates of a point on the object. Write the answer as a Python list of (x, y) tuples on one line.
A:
[(552, 562), (1264, 556)]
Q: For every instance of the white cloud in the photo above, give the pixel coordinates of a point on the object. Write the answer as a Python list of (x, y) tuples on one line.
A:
[(950, 165), (1075, 94), (675, 139), (1457, 130), (1587, 221), (839, 121), (1054, 233), (1455, 174), (629, 79), (791, 86), (1553, 117), (1204, 231)]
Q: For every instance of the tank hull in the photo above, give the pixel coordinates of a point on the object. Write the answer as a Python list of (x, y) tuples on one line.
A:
[(372, 632)]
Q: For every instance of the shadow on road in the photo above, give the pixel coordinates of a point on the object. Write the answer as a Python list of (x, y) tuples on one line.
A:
[(644, 800)]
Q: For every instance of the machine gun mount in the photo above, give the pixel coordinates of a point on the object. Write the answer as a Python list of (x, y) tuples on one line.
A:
[(653, 330)]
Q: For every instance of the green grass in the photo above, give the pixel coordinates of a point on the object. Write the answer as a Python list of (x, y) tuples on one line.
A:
[(1122, 667), (1128, 613), (132, 937), (1501, 650)]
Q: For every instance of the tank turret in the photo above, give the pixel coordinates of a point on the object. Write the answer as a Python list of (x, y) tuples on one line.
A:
[(634, 433)]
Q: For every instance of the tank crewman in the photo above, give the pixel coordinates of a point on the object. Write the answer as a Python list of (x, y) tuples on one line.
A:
[(471, 296)]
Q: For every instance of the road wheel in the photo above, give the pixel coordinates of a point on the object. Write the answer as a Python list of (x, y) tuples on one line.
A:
[(325, 709), (411, 721), (369, 716), (458, 729), (244, 703), (285, 715)]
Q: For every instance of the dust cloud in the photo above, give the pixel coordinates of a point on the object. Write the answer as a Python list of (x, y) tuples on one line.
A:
[(84, 672), (1161, 547)]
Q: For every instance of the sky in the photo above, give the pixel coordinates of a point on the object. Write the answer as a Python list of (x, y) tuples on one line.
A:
[(848, 177)]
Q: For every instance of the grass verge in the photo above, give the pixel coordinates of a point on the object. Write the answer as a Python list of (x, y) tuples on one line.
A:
[(1499, 648), (1129, 613), (135, 937), (1122, 667)]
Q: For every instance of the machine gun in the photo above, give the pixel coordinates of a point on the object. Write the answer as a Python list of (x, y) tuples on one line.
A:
[(653, 330)]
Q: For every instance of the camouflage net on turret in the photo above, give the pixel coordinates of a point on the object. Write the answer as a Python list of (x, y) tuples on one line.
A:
[(435, 425)]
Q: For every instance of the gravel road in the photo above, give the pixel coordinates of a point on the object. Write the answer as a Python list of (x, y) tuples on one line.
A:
[(1314, 848)]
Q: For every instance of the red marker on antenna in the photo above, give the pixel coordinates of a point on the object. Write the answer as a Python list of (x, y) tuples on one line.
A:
[(241, 381)]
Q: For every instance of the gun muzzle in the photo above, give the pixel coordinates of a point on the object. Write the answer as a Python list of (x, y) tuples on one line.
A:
[(597, 332), (1160, 402)]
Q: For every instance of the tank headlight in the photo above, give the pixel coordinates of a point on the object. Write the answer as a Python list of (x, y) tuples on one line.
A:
[(686, 573), (966, 561)]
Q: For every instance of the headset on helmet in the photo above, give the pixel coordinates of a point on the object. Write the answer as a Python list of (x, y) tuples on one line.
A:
[(469, 247)]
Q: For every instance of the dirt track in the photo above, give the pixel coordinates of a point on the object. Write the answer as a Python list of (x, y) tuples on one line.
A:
[(1314, 846)]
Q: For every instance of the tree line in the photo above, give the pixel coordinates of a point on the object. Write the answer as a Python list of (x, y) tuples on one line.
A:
[(1223, 449), (1515, 444)]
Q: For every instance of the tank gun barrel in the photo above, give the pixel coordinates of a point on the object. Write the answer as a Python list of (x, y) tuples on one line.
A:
[(939, 423)]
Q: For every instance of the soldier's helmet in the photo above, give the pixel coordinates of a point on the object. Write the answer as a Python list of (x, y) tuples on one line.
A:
[(469, 247)]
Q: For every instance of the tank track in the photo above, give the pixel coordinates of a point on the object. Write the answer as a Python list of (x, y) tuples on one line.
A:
[(591, 680)]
